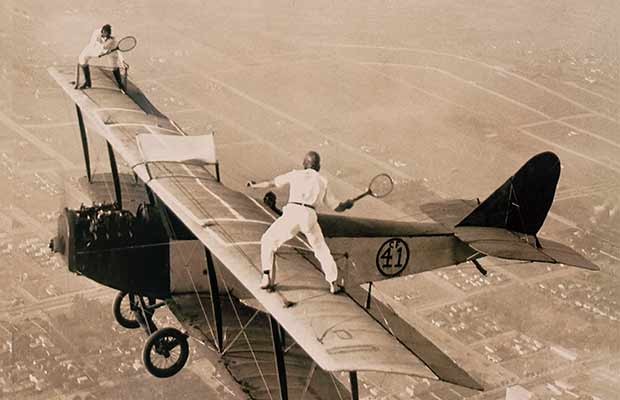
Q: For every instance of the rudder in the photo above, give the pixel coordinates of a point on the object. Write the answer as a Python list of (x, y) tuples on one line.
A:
[(522, 203)]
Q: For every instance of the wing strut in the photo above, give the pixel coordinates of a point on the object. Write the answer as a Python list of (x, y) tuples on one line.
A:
[(84, 142), (115, 177), (355, 393), (216, 306), (278, 349)]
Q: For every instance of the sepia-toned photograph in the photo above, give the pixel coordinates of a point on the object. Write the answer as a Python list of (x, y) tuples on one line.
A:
[(310, 200)]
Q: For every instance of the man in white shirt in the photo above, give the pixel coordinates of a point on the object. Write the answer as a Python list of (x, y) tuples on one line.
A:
[(101, 44), (307, 190)]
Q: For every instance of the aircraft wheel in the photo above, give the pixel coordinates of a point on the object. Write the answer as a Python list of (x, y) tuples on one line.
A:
[(123, 307), (165, 352)]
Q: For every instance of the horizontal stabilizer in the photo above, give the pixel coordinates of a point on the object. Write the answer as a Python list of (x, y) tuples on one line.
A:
[(501, 243), (565, 255)]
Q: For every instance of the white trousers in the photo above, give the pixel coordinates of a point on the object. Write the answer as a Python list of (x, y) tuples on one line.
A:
[(295, 219)]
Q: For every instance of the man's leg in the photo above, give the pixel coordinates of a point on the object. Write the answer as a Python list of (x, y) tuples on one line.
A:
[(321, 252), (83, 60), (86, 72), (279, 232), (119, 80)]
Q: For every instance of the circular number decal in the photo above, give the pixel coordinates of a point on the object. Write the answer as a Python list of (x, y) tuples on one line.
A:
[(392, 257)]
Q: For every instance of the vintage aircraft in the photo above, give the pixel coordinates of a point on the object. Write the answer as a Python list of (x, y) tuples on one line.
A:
[(215, 232)]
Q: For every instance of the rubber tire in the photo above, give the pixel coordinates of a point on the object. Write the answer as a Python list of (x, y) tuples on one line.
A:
[(153, 340), (118, 315)]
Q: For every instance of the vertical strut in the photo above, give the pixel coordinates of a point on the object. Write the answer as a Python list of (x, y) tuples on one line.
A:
[(282, 337), (77, 76), (369, 297), (84, 142), (279, 355), (115, 177), (149, 194), (216, 306), (355, 394), (217, 172)]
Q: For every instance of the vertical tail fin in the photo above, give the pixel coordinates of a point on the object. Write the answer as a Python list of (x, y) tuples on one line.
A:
[(522, 203)]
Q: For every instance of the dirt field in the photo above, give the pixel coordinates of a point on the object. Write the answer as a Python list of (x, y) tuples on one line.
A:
[(449, 97)]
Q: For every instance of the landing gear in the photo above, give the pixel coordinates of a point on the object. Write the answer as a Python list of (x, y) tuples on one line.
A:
[(124, 307), (165, 352)]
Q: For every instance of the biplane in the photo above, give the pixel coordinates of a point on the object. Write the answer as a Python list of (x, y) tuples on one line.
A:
[(214, 234)]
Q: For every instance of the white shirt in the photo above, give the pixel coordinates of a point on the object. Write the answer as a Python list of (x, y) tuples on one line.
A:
[(98, 45), (307, 186)]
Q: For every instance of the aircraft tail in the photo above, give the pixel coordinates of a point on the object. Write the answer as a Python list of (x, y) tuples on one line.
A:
[(506, 223), (521, 204)]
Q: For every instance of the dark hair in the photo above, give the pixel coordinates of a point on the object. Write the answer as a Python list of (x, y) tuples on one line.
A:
[(315, 160), (106, 28)]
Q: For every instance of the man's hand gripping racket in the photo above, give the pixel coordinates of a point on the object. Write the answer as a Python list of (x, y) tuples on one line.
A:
[(125, 44), (380, 186)]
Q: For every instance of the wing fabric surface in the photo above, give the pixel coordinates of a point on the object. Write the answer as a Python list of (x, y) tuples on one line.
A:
[(333, 330)]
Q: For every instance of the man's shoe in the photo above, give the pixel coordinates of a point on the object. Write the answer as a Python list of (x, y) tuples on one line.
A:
[(334, 288), (86, 72), (265, 283)]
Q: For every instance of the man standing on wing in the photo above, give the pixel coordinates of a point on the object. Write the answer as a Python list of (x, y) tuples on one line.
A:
[(307, 189), (101, 44)]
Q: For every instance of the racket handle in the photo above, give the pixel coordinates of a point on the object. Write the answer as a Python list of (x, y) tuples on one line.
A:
[(356, 198)]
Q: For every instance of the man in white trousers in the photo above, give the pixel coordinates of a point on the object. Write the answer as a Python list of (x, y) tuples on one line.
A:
[(101, 44), (307, 190)]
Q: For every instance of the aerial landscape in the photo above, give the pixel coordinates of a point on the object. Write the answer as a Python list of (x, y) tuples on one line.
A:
[(449, 98)]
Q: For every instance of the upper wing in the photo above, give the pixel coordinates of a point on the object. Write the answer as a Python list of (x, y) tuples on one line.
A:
[(333, 330)]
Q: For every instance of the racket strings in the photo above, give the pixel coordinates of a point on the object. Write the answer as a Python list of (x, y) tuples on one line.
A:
[(381, 185), (127, 43)]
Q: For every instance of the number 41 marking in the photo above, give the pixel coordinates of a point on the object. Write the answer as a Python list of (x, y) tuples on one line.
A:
[(387, 255)]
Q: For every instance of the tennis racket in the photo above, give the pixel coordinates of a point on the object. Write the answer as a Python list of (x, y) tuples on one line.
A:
[(380, 186), (125, 44)]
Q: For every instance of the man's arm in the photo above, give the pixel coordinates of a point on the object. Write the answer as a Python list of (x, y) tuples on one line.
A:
[(107, 46), (261, 185), (278, 182)]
